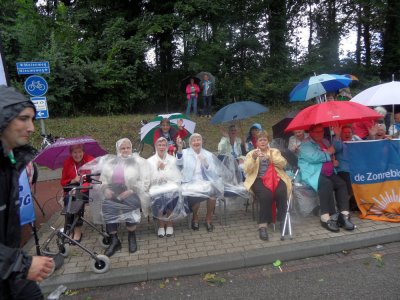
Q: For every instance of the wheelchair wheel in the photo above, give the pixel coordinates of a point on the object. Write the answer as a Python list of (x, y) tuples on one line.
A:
[(65, 249), (104, 241), (101, 266)]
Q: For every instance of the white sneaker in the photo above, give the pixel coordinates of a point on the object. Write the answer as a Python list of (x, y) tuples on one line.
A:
[(170, 231), (161, 232)]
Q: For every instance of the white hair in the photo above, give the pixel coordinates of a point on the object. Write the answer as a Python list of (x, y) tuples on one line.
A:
[(120, 142), (381, 110), (193, 136)]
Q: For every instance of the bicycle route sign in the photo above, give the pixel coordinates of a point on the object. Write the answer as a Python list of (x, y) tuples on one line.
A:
[(42, 111), (36, 86), (33, 67)]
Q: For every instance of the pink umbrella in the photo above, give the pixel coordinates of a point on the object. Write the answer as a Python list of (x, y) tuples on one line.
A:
[(54, 155), (332, 113)]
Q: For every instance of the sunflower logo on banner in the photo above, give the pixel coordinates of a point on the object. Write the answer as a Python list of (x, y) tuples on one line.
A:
[(375, 176)]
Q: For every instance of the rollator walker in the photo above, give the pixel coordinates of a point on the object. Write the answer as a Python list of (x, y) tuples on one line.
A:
[(76, 201)]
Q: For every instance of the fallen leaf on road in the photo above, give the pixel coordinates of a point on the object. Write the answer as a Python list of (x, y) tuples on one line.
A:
[(212, 279), (162, 285), (320, 280), (71, 292), (379, 259)]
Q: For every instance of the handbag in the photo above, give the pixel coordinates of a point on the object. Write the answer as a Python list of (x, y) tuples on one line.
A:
[(271, 178)]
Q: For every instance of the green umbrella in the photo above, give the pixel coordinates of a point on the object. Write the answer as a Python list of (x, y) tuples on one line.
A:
[(147, 131)]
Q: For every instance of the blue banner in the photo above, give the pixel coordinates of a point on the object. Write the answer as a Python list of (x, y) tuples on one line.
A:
[(375, 176), (27, 209)]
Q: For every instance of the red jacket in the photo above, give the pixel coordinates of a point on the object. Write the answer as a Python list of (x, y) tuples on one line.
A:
[(173, 133), (189, 90), (70, 168)]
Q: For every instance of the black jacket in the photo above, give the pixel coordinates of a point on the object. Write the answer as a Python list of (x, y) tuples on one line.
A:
[(14, 263)]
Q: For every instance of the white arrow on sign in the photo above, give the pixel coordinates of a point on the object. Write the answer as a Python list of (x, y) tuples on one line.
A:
[(40, 113)]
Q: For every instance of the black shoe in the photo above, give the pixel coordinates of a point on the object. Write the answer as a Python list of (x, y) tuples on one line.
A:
[(195, 226), (132, 244), (331, 225), (263, 233), (210, 227), (115, 245), (344, 221)]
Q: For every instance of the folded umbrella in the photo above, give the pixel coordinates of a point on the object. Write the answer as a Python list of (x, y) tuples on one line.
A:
[(54, 155)]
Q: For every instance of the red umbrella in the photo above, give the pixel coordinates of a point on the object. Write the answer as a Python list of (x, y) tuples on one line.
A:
[(332, 113)]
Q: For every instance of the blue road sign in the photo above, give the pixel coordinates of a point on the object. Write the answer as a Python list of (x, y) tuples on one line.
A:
[(41, 107), (33, 67), (36, 86)]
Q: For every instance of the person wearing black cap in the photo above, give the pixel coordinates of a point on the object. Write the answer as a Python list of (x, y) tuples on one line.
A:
[(19, 271)]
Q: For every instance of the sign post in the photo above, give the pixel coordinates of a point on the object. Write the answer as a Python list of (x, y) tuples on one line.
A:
[(36, 86)]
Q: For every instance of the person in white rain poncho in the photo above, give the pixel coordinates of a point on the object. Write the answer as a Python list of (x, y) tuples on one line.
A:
[(165, 190), (201, 172), (124, 191)]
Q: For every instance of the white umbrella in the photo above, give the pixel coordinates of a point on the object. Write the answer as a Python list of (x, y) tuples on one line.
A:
[(381, 94)]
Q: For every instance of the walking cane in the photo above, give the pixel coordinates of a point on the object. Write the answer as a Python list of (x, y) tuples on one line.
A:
[(288, 222)]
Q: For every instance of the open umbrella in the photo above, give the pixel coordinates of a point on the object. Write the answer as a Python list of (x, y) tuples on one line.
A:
[(278, 129), (332, 113), (238, 111), (318, 85), (54, 155), (147, 131), (185, 81), (381, 94), (201, 76)]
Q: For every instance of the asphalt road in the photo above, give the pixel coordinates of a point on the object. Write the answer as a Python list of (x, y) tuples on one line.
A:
[(368, 273)]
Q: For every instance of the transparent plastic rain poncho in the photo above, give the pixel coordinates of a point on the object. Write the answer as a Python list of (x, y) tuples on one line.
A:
[(123, 191), (165, 190), (214, 177)]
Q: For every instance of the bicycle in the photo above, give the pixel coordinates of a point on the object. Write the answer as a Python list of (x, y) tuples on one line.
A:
[(47, 140)]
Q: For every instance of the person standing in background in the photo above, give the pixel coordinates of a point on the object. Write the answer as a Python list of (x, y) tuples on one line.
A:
[(208, 92), (192, 92)]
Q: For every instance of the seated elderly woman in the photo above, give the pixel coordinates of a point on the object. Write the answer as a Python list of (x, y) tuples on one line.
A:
[(230, 143), (316, 163), (201, 178), (123, 193), (71, 175), (296, 139), (256, 166), (165, 191)]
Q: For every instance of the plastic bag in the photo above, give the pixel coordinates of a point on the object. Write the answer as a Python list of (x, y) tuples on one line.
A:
[(306, 201)]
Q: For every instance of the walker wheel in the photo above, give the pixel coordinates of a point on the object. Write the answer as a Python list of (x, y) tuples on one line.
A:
[(100, 266), (65, 249), (52, 270), (104, 241)]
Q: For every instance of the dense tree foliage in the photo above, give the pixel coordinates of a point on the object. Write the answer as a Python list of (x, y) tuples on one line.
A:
[(126, 56)]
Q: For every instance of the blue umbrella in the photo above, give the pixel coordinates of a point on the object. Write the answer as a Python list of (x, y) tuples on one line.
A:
[(238, 111), (318, 85)]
